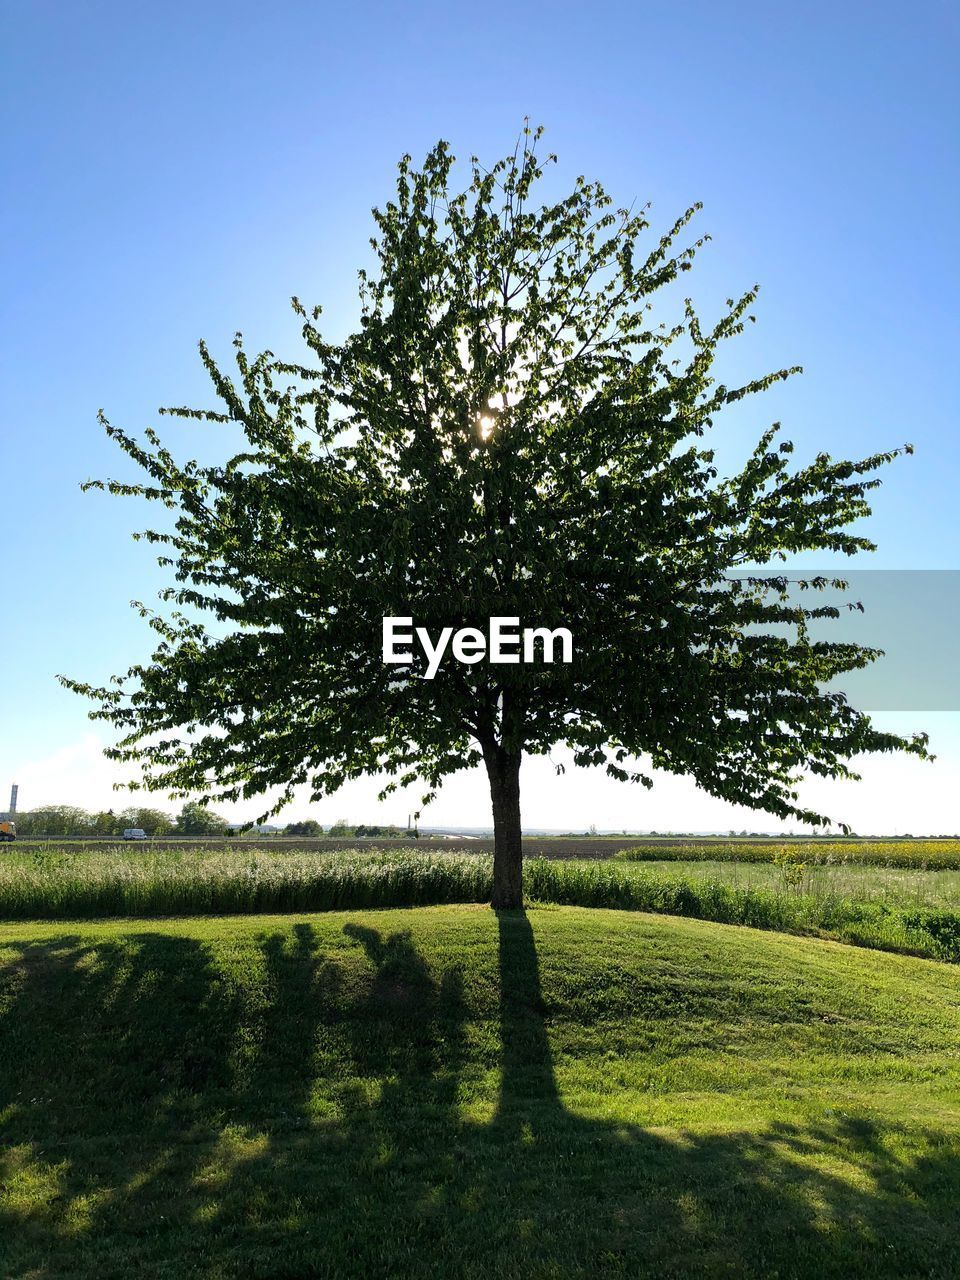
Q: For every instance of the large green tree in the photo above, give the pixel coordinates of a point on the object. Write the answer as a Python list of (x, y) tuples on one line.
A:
[(196, 819), (508, 432), (154, 822), (56, 821)]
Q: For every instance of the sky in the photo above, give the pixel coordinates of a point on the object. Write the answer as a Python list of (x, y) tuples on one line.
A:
[(177, 172)]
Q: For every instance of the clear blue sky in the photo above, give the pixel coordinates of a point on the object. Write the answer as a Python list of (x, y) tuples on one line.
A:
[(178, 171)]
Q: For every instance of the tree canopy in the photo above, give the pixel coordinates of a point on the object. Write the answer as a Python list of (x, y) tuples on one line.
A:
[(511, 430), (196, 819)]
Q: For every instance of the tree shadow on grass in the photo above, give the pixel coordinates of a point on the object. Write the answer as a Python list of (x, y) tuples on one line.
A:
[(163, 1116)]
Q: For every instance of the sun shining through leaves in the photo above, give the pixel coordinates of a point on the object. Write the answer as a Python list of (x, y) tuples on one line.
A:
[(508, 432)]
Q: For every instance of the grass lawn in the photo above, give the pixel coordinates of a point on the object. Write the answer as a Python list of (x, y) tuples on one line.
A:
[(441, 1092)]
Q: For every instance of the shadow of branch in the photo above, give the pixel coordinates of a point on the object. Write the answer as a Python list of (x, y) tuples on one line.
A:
[(325, 1116)]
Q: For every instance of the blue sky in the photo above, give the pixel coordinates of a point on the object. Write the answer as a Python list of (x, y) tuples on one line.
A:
[(178, 171)]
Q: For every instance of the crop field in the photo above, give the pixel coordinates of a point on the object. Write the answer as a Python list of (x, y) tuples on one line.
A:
[(936, 854), (897, 883)]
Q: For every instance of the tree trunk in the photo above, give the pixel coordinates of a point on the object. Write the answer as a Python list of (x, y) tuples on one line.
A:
[(503, 770)]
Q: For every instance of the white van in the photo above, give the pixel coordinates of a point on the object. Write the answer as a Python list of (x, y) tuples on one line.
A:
[(134, 833)]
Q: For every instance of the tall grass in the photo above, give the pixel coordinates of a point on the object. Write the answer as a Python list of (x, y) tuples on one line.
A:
[(867, 921), (911, 886), (60, 884), (54, 884)]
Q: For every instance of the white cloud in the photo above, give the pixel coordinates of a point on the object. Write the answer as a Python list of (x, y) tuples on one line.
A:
[(76, 774)]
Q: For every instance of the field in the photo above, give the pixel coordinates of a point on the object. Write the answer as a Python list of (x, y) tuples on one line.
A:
[(939, 854), (233, 1060), (443, 1092), (898, 883), (891, 908)]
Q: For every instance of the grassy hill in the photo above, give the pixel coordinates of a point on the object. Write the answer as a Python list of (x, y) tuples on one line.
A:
[(446, 1093)]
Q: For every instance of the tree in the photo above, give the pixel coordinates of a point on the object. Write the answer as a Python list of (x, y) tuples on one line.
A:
[(56, 821), (508, 433), (308, 828), (195, 819), (105, 824), (152, 821)]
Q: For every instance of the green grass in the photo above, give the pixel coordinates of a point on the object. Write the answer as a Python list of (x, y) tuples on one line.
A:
[(445, 1093), (903, 885), (52, 883), (63, 882), (932, 855), (863, 918)]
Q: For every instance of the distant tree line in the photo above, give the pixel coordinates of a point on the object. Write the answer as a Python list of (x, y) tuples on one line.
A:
[(64, 821), (343, 828)]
